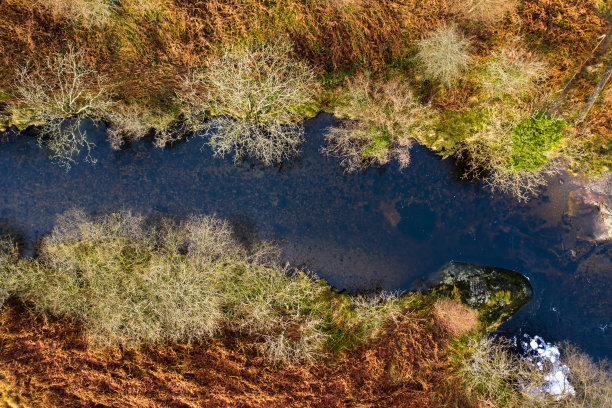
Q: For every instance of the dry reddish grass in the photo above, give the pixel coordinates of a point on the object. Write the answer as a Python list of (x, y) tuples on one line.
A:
[(49, 362), (454, 317), (567, 31)]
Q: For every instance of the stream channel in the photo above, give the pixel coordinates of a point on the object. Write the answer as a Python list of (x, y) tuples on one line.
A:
[(384, 228)]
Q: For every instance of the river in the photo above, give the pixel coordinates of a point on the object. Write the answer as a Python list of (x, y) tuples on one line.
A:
[(384, 228)]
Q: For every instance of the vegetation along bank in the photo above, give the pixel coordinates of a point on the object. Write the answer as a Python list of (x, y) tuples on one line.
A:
[(118, 310), (514, 89)]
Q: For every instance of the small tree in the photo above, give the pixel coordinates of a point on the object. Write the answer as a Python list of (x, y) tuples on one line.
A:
[(384, 118)]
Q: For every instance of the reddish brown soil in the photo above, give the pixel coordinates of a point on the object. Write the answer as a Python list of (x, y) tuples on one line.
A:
[(48, 362)]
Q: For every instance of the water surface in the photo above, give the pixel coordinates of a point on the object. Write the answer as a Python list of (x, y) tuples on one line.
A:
[(382, 229)]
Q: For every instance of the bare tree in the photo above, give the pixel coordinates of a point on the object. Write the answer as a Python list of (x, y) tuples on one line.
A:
[(254, 95), (57, 97)]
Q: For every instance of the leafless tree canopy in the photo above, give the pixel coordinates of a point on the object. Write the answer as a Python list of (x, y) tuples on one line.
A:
[(57, 96), (254, 94)]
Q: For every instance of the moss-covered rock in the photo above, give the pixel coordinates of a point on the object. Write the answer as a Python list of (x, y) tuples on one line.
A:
[(495, 293)]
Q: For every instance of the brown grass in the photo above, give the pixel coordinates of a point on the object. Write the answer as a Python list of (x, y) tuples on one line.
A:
[(484, 11), (89, 12), (8, 397), (48, 360), (146, 46), (566, 30), (454, 317)]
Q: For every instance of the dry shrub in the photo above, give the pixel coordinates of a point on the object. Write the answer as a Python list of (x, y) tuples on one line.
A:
[(57, 96), (384, 116), (484, 11), (591, 380), (512, 98), (350, 141), (255, 94), (370, 313), (133, 284), (8, 256), (454, 317), (512, 73), (444, 54), (489, 372), (109, 275), (487, 155), (125, 123), (132, 122), (92, 13)]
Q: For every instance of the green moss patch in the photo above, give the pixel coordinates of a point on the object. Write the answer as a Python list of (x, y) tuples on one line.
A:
[(381, 142), (533, 139), (454, 127)]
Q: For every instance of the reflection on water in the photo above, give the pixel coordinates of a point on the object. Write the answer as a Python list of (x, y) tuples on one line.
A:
[(384, 228)]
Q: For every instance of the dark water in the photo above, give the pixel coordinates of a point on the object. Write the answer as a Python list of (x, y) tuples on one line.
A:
[(384, 228)]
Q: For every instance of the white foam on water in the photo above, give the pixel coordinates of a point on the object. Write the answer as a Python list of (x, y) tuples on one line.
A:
[(544, 354)]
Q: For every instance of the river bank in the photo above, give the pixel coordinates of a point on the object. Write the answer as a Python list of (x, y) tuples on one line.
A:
[(497, 103), (186, 294)]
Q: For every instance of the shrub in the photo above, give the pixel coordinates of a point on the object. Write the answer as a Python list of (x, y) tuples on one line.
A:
[(509, 147), (591, 380), (131, 283), (455, 318), (58, 96), (491, 156), (255, 94), (444, 54), (131, 122), (512, 73), (8, 255), (453, 128), (92, 13), (383, 116), (484, 11), (489, 371)]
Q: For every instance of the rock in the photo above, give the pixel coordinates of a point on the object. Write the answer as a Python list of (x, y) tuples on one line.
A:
[(390, 213), (495, 293), (590, 214)]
